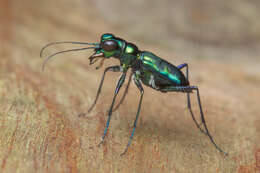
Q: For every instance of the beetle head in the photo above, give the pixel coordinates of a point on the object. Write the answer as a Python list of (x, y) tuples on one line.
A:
[(109, 46)]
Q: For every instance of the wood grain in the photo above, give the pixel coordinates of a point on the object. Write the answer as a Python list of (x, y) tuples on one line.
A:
[(40, 126)]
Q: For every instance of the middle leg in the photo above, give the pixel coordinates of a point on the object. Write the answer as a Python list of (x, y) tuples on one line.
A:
[(119, 85), (139, 86), (124, 95)]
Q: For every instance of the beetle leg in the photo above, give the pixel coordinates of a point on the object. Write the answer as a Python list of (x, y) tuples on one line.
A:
[(188, 95), (139, 86), (112, 68), (119, 85), (124, 95), (187, 77), (182, 66), (187, 89), (204, 122)]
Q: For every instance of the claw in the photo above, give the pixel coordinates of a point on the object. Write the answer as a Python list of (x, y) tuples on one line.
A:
[(93, 57)]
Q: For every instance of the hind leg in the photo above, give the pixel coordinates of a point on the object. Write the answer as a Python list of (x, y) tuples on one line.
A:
[(185, 89), (188, 95), (189, 89), (187, 77)]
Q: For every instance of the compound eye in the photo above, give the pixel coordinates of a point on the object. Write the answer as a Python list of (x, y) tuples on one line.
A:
[(109, 45)]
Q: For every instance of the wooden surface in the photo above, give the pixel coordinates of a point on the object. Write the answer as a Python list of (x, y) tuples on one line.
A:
[(40, 130)]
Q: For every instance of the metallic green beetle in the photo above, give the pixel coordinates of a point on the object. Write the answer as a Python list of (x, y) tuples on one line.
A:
[(146, 68)]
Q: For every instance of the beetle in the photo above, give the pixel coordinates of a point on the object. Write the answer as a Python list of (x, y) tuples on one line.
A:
[(146, 69)]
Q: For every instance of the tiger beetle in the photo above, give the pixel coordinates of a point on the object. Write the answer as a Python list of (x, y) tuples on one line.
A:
[(146, 68)]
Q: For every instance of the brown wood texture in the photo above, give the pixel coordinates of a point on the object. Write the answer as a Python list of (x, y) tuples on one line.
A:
[(40, 127)]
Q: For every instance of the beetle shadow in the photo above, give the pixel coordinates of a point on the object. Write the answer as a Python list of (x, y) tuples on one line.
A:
[(174, 130)]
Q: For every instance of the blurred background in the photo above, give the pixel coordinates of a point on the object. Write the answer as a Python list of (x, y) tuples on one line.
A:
[(201, 29), (40, 127)]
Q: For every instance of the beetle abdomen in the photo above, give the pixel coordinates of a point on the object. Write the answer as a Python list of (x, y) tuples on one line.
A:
[(164, 73)]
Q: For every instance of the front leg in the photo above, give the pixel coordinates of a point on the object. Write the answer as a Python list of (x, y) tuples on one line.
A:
[(119, 85), (116, 68)]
